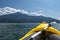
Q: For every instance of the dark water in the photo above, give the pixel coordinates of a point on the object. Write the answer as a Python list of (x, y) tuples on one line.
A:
[(13, 31)]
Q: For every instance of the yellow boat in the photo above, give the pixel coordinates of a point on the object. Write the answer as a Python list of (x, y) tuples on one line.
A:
[(42, 29)]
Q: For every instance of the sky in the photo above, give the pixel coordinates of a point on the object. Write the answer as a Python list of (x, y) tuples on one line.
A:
[(50, 8)]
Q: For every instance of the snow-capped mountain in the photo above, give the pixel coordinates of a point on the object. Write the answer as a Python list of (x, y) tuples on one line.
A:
[(11, 15)]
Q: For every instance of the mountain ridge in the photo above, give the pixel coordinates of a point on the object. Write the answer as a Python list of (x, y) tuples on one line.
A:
[(23, 18)]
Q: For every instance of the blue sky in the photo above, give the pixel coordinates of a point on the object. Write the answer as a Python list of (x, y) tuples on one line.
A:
[(49, 8)]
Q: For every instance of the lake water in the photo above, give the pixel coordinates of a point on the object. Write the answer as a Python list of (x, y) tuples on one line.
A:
[(13, 31)]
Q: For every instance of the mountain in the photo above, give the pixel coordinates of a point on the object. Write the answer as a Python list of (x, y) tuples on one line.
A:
[(23, 18)]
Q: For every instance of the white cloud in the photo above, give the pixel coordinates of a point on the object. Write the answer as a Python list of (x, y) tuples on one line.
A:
[(36, 14), (9, 10), (23, 12), (58, 18)]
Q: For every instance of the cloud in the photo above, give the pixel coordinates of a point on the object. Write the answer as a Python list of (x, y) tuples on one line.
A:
[(36, 14), (58, 18), (9, 10)]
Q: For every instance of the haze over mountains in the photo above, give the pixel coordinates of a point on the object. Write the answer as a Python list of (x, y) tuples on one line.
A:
[(11, 15)]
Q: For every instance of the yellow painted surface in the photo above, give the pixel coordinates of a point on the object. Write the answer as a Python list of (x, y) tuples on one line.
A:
[(41, 27)]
